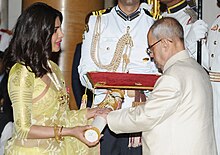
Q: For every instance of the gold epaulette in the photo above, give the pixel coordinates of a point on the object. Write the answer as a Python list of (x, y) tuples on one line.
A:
[(95, 13), (155, 11), (101, 12)]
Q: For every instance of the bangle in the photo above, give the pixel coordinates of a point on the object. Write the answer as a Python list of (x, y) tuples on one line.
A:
[(58, 133)]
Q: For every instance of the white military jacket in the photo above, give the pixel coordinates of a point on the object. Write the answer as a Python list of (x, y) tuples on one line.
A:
[(177, 119), (113, 26)]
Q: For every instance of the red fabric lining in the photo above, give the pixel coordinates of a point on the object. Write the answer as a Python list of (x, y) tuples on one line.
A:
[(122, 80)]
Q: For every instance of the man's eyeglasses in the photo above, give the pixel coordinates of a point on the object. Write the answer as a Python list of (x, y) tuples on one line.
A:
[(148, 51)]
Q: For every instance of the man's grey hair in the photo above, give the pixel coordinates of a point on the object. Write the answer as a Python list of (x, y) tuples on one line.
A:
[(167, 27)]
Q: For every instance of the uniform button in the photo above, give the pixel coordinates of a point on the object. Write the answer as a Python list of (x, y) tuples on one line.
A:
[(212, 55), (215, 42), (145, 59), (108, 48), (210, 68)]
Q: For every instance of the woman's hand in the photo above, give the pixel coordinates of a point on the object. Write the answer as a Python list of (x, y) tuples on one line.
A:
[(78, 132), (91, 112)]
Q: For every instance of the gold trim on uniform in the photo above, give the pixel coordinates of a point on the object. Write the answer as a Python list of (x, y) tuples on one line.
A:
[(177, 7), (155, 11), (214, 76)]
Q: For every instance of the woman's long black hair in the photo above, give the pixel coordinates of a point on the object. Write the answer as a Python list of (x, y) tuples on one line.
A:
[(31, 41)]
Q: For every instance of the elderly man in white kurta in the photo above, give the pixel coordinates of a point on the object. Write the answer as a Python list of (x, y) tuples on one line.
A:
[(177, 119)]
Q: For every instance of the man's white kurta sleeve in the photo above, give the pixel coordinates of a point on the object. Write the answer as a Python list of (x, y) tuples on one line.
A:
[(163, 102)]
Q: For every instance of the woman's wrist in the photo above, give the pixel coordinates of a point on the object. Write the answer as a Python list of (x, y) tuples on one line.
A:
[(68, 131), (90, 113)]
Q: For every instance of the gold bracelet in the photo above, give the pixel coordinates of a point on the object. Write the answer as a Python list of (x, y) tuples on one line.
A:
[(58, 133)]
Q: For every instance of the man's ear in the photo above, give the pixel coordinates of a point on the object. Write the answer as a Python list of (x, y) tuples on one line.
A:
[(165, 43)]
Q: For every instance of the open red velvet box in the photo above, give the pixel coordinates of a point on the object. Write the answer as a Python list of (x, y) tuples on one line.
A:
[(122, 80)]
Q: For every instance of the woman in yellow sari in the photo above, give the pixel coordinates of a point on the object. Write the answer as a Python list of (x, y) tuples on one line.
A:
[(44, 124)]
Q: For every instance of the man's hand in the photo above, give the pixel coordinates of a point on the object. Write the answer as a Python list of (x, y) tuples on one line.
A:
[(103, 112)]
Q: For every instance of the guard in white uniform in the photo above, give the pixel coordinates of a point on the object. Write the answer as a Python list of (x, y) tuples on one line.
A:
[(194, 29), (116, 42), (213, 42), (115, 24), (114, 27)]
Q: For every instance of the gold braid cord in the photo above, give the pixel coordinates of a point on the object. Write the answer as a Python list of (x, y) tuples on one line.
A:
[(124, 42)]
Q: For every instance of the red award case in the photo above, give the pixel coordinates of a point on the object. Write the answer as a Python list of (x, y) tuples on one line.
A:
[(113, 80)]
